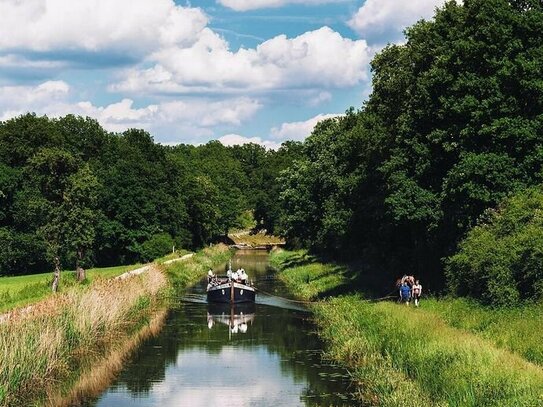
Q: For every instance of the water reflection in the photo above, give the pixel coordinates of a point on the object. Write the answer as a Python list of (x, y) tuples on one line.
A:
[(208, 355), (237, 317)]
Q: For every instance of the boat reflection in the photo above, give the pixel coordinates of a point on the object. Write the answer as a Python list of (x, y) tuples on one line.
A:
[(238, 317)]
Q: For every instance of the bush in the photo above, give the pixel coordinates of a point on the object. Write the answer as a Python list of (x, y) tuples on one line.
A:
[(501, 260), (157, 246)]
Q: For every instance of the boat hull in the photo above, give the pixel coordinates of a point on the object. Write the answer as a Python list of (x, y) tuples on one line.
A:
[(231, 293)]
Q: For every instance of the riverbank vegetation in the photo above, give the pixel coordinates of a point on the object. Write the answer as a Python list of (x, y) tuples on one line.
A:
[(453, 126), (450, 352), (391, 348), (19, 291), (46, 347), (73, 196), (52, 345)]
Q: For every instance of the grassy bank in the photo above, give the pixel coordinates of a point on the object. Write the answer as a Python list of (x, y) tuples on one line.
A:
[(50, 348), (432, 356), (517, 329), (304, 276), (22, 290), (185, 273)]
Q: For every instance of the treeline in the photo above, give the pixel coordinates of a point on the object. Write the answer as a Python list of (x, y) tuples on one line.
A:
[(454, 126), (74, 195)]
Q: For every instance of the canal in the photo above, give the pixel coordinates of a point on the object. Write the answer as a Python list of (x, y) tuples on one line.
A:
[(262, 355)]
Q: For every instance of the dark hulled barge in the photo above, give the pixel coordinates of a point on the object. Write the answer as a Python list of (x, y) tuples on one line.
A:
[(230, 289)]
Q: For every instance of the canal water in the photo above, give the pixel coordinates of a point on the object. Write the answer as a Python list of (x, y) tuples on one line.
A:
[(262, 355)]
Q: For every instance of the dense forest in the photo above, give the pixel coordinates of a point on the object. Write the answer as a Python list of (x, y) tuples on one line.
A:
[(438, 174), (72, 194), (454, 126)]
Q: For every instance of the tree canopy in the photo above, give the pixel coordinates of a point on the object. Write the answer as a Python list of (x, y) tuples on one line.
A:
[(69, 190), (454, 125)]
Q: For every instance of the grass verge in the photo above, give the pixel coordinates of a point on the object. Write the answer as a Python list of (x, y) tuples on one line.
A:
[(304, 276), (517, 329), (48, 349), (19, 291), (403, 356)]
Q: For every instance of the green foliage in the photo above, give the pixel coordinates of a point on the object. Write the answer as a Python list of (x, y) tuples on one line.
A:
[(501, 260), (157, 246), (453, 126), (396, 352), (74, 193)]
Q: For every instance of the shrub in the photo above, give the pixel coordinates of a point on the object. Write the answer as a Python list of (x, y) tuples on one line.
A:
[(501, 260), (157, 246)]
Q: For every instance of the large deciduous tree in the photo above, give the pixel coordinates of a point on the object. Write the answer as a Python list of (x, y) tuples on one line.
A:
[(453, 126)]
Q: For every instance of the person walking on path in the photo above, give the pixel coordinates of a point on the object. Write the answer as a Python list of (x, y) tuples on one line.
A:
[(405, 293), (417, 292)]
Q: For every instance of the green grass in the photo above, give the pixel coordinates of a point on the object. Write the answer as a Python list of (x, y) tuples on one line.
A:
[(172, 256), (517, 329), (447, 353), (190, 271), (447, 365), (22, 290), (304, 277)]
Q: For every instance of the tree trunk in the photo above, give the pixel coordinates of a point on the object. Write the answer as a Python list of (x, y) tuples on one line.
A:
[(80, 271), (56, 278)]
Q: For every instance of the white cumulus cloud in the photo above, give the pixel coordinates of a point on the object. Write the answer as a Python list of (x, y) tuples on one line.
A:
[(279, 63), (244, 5), (391, 17), (298, 130), (129, 26), (237, 140), (195, 117)]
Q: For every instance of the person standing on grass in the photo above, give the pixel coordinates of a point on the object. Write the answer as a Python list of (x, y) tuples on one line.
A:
[(417, 292), (405, 293)]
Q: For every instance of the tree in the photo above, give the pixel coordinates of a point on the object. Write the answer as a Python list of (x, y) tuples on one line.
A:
[(79, 207), (50, 171), (453, 126)]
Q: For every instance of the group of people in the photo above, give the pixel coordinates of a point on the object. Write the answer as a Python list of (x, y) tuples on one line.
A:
[(239, 276), (409, 289)]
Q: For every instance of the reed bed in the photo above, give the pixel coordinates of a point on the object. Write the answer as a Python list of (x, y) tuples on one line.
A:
[(48, 350), (99, 375)]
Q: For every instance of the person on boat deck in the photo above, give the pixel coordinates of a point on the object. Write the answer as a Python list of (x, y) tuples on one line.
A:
[(235, 276), (417, 292), (243, 276), (405, 293), (229, 274)]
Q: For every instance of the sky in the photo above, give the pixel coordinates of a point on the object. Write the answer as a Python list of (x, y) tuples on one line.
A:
[(239, 71)]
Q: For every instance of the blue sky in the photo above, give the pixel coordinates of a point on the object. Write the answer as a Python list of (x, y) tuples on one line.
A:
[(235, 70)]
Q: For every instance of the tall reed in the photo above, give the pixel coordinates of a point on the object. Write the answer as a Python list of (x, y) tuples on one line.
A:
[(49, 344)]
